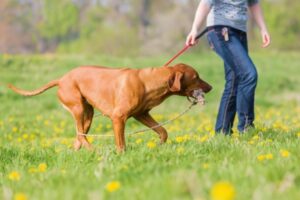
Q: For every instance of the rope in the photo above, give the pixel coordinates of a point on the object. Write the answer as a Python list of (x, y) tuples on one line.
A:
[(193, 103)]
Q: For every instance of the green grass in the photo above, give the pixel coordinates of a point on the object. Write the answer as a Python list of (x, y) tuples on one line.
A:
[(37, 130)]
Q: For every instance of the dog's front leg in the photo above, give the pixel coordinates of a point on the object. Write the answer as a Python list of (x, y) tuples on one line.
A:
[(119, 127), (148, 121)]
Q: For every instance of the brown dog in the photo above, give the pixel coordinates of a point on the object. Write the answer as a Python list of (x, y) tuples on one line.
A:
[(120, 94)]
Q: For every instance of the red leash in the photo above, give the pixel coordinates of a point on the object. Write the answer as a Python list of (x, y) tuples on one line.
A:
[(186, 47)]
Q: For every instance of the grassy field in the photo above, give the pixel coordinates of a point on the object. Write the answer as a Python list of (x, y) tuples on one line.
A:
[(36, 135)]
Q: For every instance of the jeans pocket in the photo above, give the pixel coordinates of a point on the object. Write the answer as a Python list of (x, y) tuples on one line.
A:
[(210, 43), (217, 36), (215, 39)]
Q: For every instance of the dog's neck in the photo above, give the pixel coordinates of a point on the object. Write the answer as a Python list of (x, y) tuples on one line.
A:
[(149, 75), (156, 89)]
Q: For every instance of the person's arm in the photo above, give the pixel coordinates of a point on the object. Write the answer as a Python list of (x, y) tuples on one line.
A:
[(201, 14), (257, 13)]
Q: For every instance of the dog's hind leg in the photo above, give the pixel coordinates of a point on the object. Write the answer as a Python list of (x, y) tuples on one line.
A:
[(88, 117), (148, 121), (82, 113), (85, 119)]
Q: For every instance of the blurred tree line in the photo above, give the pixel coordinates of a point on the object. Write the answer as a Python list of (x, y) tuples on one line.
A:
[(121, 26)]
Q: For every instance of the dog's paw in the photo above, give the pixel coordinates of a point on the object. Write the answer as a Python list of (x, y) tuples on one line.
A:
[(77, 145)]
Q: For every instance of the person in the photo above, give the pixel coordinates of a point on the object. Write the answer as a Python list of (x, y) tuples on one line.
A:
[(227, 35)]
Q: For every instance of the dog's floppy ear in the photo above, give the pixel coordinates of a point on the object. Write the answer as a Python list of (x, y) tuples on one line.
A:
[(175, 82)]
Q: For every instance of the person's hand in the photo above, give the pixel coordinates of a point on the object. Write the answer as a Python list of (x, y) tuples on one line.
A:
[(266, 39), (191, 38)]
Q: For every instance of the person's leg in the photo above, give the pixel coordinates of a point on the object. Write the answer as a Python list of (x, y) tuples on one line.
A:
[(235, 55), (248, 116), (227, 108), (245, 99), (246, 85)]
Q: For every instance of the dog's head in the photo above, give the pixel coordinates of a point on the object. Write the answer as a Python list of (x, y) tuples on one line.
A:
[(185, 81)]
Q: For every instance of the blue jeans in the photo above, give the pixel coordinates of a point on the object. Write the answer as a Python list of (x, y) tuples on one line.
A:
[(240, 76)]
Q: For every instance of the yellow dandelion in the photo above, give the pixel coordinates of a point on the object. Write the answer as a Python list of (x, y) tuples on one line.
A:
[(298, 134), (208, 128), (222, 191), (14, 176), (45, 144), (20, 196), (14, 129), (284, 153), (179, 139), (251, 142), (25, 136), (158, 117), (113, 186), (261, 157), (46, 123), (151, 145), (256, 137), (91, 139), (19, 139), (264, 129), (269, 140), (204, 138), (212, 133), (138, 141), (205, 165), (269, 156), (285, 128), (42, 167), (186, 137)]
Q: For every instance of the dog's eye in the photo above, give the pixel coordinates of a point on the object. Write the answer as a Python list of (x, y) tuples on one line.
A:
[(195, 76)]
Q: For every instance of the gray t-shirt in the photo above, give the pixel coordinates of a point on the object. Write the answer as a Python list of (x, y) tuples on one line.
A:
[(229, 12)]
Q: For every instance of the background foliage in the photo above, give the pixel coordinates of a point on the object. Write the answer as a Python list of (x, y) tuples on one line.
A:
[(122, 27)]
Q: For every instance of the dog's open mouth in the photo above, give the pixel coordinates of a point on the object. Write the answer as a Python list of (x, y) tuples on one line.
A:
[(199, 96)]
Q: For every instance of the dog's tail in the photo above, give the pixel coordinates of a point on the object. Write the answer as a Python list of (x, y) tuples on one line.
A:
[(34, 92)]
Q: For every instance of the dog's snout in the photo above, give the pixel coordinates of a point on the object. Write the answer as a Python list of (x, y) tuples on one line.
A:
[(205, 86), (208, 88)]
